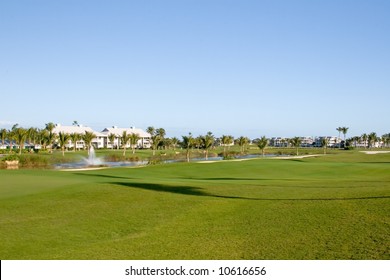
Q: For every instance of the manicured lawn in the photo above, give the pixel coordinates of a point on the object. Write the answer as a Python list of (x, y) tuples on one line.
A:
[(331, 207)]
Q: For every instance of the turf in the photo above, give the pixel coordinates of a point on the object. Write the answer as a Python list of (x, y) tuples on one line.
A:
[(330, 207)]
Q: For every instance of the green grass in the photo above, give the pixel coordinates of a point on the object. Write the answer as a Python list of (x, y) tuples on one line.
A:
[(330, 207)]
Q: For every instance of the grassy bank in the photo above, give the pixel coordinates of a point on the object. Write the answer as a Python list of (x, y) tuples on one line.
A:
[(329, 207)]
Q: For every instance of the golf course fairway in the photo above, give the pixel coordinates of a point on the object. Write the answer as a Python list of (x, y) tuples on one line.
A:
[(326, 207)]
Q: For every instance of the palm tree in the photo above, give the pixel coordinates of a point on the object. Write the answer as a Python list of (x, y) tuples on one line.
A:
[(150, 130), (155, 142), (344, 130), (364, 138), (339, 129), (63, 139), (386, 139), (262, 144), (74, 137), (242, 142), (355, 140), (325, 143), (226, 141), (11, 136), (111, 138), (133, 138), (198, 142), (160, 132), (88, 137), (207, 142), (32, 133), (125, 138), (43, 138), (174, 142), (296, 142), (51, 136), (372, 138), (188, 143), (20, 135), (156, 136)]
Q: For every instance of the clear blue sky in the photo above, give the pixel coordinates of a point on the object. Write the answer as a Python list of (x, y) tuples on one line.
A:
[(252, 68)]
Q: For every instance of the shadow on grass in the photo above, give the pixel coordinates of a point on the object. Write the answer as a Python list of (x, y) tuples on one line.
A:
[(186, 190), (196, 191), (102, 175)]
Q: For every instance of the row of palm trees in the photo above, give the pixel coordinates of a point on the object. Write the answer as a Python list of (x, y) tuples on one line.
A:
[(44, 137), (366, 140), (47, 138), (369, 140)]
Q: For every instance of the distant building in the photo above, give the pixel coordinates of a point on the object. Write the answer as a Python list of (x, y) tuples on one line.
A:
[(333, 141), (143, 142), (284, 142), (101, 140), (97, 142), (278, 142)]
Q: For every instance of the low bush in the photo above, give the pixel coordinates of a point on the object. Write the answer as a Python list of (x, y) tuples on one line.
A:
[(11, 157)]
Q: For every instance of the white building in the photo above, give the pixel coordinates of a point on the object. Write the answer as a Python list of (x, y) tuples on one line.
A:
[(333, 141), (97, 142), (143, 142), (101, 140), (279, 142)]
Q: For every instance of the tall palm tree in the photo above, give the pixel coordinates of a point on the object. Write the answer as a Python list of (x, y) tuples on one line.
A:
[(160, 132), (242, 142), (296, 143), (125, 138), (88, 137), (156, 136), (51, 136), (74, 137), (188, 143), (344, 130), (372, 138), (32, 133), (226, 141), (133, 138), (43, 138), (339, 129), (325, 143), (174, 142), (156, 139), (207, 142), (111, 138), (12, 135), (364, 138), (20, 135), (262, 144), (63, 139)]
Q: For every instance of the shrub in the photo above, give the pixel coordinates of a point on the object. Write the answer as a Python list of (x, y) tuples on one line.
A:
[(33, 161), (11, 158)]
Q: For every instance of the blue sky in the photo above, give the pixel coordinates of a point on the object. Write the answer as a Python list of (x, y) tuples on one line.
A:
[(252, 68)]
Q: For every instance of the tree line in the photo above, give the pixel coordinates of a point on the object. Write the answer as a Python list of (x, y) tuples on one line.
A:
[(46, 138)]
